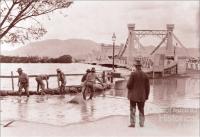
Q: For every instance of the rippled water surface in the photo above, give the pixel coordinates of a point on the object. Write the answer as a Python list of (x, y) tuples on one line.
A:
[(170, 93)]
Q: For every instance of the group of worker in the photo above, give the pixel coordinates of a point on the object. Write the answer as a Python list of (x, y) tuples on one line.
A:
[(138, 88), (23, 82), (88, 81)]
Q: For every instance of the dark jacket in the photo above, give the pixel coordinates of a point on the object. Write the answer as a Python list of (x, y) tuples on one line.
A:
[(138, 86), (61, 78), (84, 77)]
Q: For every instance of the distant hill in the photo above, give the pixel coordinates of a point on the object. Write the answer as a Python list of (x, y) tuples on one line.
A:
[(80, 48), (55, 48)]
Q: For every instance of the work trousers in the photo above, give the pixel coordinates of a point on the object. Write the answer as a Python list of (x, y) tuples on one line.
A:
[(91, 88), (140, 106), (40, 84), (25, 87), (62, 87)]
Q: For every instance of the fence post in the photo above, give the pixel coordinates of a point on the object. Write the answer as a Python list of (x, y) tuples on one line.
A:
[(13, 88), (47, 83), (111, 77), (58, 81)]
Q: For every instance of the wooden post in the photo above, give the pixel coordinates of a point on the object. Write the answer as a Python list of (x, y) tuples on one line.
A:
[(47, 84), (58, 81), (111, 77), (13, 88)]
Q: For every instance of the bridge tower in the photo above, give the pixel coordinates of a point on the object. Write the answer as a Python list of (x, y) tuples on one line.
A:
[(131, 44), (169, 46)]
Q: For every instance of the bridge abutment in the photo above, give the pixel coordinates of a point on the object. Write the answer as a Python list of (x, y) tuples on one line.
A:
[(169, 46)]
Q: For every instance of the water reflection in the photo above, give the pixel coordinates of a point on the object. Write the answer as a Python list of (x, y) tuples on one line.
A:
[(87, 111), (164, 90), (167, 92), (172, 90), (22, 109), (41, 99)]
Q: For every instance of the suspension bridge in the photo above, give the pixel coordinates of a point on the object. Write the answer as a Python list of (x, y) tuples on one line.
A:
[(154, 62)]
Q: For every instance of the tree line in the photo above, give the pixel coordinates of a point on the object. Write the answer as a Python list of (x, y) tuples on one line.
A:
[(35, 59)]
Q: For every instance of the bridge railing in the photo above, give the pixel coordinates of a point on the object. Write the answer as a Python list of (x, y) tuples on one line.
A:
[(192, 66)]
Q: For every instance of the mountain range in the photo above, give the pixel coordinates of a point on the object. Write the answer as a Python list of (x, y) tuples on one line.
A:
[(55, 48), (77, 48)]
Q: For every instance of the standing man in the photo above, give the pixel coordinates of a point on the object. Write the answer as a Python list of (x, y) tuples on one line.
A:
[(138, 92), (104, 77), (40, 84), (90, 81), (83, 80), (61, 80), (85, 75), (23, 82)]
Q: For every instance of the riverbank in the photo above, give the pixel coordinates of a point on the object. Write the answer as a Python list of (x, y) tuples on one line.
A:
[(155, 125)]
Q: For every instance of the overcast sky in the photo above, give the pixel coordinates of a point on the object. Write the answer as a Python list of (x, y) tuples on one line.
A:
[(97, 20)]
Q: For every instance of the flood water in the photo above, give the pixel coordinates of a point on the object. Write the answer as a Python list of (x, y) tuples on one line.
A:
[(171, 92), (180, 94)]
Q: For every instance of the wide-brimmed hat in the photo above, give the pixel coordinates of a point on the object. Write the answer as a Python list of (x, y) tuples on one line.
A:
[(138, 63), (93, 70), (88, 70), (47, 76), (19, 70), (58, 70)]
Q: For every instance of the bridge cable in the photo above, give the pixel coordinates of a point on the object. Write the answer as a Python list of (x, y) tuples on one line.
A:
[(163, 40), (180, 43), (124, 48)]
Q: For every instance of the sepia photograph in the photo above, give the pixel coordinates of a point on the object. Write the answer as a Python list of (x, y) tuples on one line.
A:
[(99, 68)]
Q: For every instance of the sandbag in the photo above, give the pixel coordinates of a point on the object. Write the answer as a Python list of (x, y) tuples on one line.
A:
[(78, 99)]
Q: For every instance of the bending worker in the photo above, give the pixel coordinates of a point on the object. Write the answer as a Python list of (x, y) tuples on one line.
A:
[(61, 80), (23, 82), (40, 84)]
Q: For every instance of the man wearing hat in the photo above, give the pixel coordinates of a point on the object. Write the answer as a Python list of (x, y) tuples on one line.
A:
[(83, 80), (40, 84), (23, 82), (90, 81), (62, 80), (138, 92), (85, 75)]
